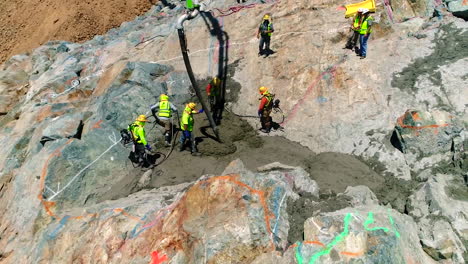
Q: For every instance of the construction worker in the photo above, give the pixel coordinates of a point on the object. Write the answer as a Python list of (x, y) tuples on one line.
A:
[(186, 125), (264, 109), (355, 27), (164, 117), (364, 32), (137, 130), (213, 90), (264, 34)]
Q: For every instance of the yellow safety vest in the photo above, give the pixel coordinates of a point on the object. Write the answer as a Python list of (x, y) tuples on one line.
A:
[(357, 20), (365, 29), (164, 109)]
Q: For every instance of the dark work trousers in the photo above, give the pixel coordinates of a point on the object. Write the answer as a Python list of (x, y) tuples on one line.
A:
[(265, 119), (352, 41), (264, 41), (140, 153)]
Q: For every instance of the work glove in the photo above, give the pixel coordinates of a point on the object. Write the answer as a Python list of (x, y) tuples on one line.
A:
[(148, 147), (201, 111), (259, 113), (186, 134)]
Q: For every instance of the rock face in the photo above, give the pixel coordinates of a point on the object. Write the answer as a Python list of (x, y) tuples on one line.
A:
[(427, 133), (63, 105)]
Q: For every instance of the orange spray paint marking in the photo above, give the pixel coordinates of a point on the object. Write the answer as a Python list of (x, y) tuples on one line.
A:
[(261, 195), (122, 211), (155, 259), (315, 242), (97, 124), (352, 254), (401, 124)]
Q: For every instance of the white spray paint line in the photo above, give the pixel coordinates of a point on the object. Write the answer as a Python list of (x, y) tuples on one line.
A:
[(277, 217), (50, 190), (319, 228), (87, 166)]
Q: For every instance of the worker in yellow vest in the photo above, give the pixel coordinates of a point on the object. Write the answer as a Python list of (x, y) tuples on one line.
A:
[(264, 109), (264, 33), (186, 125), (164, 110), (137, 129), (364, 32), (355, 27)]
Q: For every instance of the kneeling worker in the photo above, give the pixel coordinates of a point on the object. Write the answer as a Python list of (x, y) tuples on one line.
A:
[(164, 117), (139, 139), (186, 125)]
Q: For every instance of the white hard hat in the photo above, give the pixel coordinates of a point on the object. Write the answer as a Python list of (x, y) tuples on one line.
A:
[(365, 10), (360, 9)]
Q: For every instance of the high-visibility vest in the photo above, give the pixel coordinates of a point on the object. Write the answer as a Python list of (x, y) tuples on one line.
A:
[(187, 119), (268, 27), (164, 109), (138, 133), (269, 98), (365, 27), (357, 20)]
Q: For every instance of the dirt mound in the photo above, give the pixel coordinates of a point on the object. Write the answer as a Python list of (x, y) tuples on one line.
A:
[(25, 25)]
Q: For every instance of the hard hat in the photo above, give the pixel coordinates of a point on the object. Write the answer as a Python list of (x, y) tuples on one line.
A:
[(364, 11), (262, 89), (216, 80), (266, 17), (360, 10), (163, 97), (192, 105), (142, 118)]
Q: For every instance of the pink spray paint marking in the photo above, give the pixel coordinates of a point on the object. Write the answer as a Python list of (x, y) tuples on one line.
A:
[(155, 259), (309, 90)]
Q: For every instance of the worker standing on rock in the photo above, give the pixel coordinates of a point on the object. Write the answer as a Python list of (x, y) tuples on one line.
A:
[(137, 130), (264, 34), (364, 32), (213, 90), (164, 118), (186, 125), (355, 27), (264, 109)]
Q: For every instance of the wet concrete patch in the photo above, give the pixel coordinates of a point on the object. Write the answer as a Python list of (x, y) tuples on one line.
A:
[(450, 45)]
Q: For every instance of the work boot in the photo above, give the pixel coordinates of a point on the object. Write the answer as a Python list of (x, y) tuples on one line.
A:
[(195, 150), (167, 138)]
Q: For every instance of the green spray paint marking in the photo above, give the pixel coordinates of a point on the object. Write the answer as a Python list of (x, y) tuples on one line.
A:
[(370, 220), (342, 235), (393, 224), (337, 239), (298, 254)]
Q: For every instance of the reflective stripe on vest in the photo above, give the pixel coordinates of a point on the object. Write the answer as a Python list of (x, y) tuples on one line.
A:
[(364, 27), (164, 109), (268, 28)]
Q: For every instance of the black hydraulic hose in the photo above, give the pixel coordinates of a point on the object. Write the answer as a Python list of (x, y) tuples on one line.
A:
[(183, 48)]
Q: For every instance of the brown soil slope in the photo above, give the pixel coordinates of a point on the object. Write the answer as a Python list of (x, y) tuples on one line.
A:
[(27, 24)]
